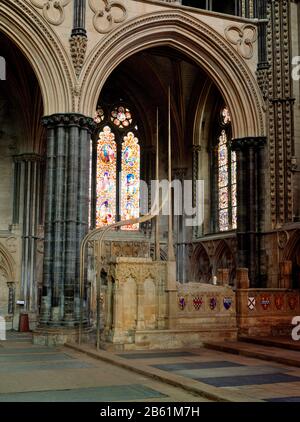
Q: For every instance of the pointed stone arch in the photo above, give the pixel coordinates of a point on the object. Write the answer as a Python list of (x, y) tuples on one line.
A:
[(195, 39), (7, 264), (224, 259), (201, 268), (38, 42)]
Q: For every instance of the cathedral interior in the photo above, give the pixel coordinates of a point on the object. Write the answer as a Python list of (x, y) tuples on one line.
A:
[(100, 98)]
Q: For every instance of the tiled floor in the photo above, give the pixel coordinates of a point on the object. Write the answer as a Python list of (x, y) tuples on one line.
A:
[(254, 378), (36, 374)]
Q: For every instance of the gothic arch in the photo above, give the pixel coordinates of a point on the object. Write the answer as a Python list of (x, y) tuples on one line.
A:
[(224, 258), (7, 264), (201, 269), (199, 42), (292, 253), (43, 50)]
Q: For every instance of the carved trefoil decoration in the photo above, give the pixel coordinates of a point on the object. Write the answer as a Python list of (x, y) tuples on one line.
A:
[(78, 47), (53, 10), (107, 13), (244, 37)]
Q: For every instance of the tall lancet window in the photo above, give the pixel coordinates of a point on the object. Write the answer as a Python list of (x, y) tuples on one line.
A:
[(226, 169), (106, 178), (117, 167)]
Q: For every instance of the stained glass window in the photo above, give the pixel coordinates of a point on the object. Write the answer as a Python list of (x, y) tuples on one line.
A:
[(226, 163), (99, 116), (130, 179), (117, 152), (106, 178), (121, 117)]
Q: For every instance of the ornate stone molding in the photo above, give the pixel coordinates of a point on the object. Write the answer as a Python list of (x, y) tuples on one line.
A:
[(78, 46), (106, 14), (280, 111), (243, 37), (46, 53), (189, 30), (53, 10), (69, 119)]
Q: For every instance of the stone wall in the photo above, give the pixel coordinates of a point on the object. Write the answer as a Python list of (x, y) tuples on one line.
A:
[(141, 310), (265, 312)]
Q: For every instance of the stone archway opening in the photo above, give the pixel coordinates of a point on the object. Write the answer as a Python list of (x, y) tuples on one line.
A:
[(22, 153), (141, 82)]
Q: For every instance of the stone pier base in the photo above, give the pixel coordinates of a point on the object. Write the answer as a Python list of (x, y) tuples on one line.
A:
[(46, 336)]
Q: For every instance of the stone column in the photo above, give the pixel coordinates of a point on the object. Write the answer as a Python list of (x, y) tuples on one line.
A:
[(196, 151), (181, 255), (250, 203), (66, 215), (28, 192)]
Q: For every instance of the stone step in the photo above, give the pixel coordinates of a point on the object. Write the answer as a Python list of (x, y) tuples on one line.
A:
[(280, 342), (264, 352)]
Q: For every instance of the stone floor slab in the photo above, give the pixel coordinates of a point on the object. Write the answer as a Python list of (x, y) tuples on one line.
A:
[(249, 380), (36, 357), (97, 394)]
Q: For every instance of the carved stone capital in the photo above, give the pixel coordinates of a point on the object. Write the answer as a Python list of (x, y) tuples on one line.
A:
[(69, 119)]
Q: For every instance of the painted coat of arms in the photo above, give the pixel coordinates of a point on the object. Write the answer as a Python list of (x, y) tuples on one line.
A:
[(265, 302), (251, 303), (197, 302), (227, 302), (279, 301), (212, 303), (181, 302)]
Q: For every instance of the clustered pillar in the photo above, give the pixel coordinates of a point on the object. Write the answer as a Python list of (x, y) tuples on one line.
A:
[(28, 209), (66, 215), (250, 214)]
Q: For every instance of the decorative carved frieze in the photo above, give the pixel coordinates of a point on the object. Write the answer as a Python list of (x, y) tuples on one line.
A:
[(243, 37), (78, 46), (107, 13), (53, 10)]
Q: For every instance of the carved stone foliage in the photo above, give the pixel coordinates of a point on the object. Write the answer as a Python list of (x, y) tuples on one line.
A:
[(243, 37), (78, 46), (107, 13), (53, 10)]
